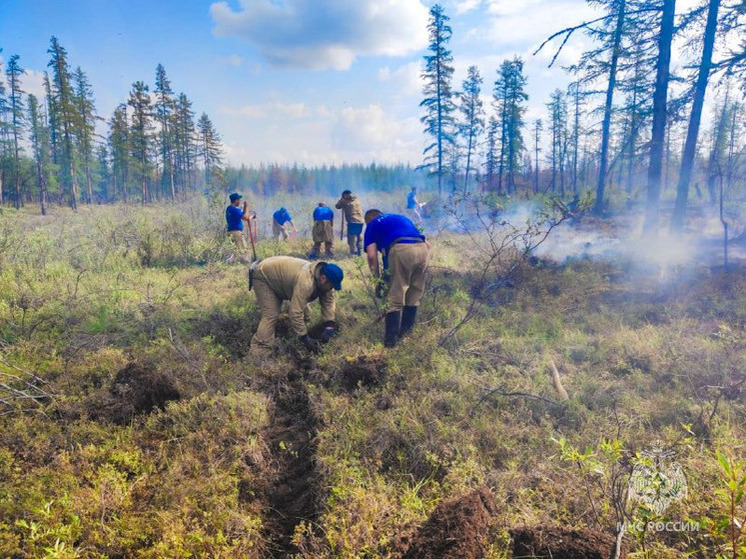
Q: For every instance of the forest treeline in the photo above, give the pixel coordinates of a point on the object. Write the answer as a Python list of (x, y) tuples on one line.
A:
[(51, 149), (629, 126)]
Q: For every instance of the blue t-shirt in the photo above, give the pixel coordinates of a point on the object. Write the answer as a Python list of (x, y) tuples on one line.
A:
[(411, 204), (282, 216), (323, 213), (386, 228), (233, 215)]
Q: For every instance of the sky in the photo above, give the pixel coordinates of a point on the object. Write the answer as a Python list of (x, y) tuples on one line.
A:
[(311, 82)]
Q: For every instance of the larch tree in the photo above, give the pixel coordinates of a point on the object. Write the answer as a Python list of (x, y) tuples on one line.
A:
[(717, 160), (438, 102), (3, 133), (63, 118), (558, 126), (210, 149), (164, 113), (120, 152), (85, 128), (618, 8), (698, 100), (13, 73), (509, 96), (141, 136), (52, 120), (471, 124), (185, 142), (538, 128), (490, 156), (660, 97), (39, 140)]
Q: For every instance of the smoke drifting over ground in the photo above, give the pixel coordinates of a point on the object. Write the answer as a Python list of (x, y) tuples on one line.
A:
[(621, 239)]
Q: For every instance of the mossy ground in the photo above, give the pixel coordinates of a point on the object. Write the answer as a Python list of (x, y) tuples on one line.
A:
[(85, 296)]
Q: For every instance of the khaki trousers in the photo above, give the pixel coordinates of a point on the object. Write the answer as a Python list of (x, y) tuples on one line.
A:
[(239, 240), (279, 231), (407, 266), (270, 305)]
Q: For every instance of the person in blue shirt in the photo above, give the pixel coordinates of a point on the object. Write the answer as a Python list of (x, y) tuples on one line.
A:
[(405, 255), (279, 219), (413, 206), (323, 231), (234, 217)]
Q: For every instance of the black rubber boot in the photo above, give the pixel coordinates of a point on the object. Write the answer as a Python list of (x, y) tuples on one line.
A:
[(392, 328), (408, 318)]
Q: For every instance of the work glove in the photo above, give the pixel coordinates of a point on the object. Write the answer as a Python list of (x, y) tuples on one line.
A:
[(382, 284), (380, 290), (309, 343), (329, 332)]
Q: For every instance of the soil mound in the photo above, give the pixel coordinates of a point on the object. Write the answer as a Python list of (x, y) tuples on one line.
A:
[(562, 543), (137, 389), (457, 528), (363, 371)]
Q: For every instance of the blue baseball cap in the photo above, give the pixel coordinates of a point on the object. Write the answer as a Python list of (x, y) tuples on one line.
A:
[(334, 274), (235, 196)]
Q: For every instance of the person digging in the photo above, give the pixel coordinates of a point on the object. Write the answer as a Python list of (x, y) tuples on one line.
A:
[(286, 278), (405, 255), (323, 231)]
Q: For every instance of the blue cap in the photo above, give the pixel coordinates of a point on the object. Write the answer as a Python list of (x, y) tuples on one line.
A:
[(334, 274), (235, 196)]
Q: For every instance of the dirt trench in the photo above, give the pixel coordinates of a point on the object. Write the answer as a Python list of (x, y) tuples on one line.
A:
[(292, 495)]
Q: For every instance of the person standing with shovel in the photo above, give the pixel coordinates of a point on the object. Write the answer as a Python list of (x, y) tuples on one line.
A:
[(234, 217), (353, 214)]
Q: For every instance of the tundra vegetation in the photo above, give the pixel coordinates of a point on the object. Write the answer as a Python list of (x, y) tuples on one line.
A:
[(135, 424)]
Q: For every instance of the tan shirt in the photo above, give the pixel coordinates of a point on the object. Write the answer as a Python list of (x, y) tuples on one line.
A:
[(296, 280), (352, 208)]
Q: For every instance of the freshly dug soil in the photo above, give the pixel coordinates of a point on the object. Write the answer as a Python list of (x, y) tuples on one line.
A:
[(458, 528), (561, 543)]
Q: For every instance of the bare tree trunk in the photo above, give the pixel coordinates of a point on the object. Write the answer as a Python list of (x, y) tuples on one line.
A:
[(690, 147), (652, 211), (536, 160), (598, 208), (74, 186), (576, 141)]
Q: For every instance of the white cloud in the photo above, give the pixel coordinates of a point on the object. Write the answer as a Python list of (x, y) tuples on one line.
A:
[(528, 23), (406, 79), (329, 34), (371, 132), (319, 135), (466, 6), (33, 83)]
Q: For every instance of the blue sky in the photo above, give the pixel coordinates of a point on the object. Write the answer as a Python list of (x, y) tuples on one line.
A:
[(307, 81)]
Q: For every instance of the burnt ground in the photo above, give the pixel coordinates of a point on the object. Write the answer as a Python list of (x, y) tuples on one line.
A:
[(362, 371), (292, 495), (562, 543), (136, 389)]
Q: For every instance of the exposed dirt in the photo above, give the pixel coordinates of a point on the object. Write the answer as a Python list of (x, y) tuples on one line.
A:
[(562, 543), (457, 528), (363, 371), (292, 496), (136, 389)]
